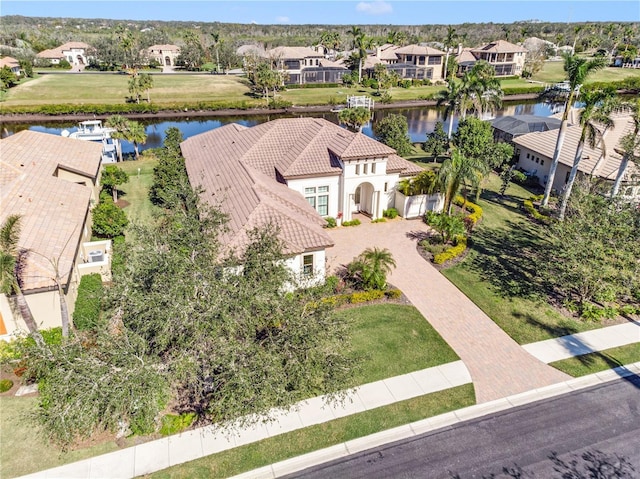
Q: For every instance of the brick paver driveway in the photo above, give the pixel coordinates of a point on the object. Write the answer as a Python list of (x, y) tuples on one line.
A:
[(499, 367)]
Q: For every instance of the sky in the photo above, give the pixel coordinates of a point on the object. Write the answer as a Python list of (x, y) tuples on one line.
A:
[(334, 12)]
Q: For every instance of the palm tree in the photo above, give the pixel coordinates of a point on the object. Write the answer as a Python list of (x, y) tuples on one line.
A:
[(449, 42), (10, 272), (482, 88), (120, 125), (377, 264), (597, 110), (630, 144), (145, 83), (215, 37), (457, 171), (578, 69), (452, 98), (136, 134)]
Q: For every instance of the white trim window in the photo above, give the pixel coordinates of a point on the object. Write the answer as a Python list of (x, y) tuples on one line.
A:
[(307, 265), (318, 198)]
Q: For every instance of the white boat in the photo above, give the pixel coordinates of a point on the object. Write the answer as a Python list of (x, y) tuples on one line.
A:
[(92, 130)]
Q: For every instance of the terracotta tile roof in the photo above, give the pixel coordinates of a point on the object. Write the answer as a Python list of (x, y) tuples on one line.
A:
[(293, 53), (418, 50), (58, 52), (53, 210), (9, 62), (500, 46), (544, 144), (239, 168), (465, 56), (171, 48)]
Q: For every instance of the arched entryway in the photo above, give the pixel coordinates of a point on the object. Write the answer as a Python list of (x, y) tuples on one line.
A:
[(363, 200), (167, 61)]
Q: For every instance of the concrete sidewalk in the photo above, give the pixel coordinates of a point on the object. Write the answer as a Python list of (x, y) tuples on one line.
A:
[(162, 453), (583, 343), (449, 419)]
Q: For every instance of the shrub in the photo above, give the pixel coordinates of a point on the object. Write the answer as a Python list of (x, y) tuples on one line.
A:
[(629, 310), (365, 296), (451, 253), (519, 177), (355, 222), (109, 220), (331, 222), (391, 213), (379, 220), (10, 351), (5, 385), (532, 210), (475, 210), (86, 315), (393, 293), (173, 424)]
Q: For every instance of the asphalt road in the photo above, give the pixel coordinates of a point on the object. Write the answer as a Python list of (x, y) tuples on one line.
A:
[(574, 426)]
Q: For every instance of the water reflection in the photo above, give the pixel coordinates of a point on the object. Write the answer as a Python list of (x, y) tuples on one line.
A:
[(421, 121)]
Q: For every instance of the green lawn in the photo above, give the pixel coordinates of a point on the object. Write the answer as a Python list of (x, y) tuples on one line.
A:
[(24, 450), (108, 88), (139, 210), (599, 361), (500, 273), (394, 339), (553, 72), (279, 448)]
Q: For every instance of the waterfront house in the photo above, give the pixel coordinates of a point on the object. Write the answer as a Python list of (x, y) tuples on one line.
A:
[(293, 173), (508, 59)]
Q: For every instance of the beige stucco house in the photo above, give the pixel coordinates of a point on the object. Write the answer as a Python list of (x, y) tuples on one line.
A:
[(305, 65), (51, 182), (12, 64), (535, 152), (165, 55), (294, 173), (76, 53), (508, 59), (412, 61)]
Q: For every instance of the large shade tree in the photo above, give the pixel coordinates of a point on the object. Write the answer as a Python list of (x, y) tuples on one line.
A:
[(578, 70)]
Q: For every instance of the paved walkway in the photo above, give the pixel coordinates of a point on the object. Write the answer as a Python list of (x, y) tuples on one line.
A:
[(499, 366), (583, 343), (162, 453)]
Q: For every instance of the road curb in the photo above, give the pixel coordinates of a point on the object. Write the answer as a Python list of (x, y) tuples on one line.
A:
[(449, 419)]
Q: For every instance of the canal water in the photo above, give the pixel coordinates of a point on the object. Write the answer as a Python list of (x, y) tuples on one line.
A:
[(421, 121)]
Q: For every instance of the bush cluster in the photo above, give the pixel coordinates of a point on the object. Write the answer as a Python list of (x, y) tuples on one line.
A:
[(5, 385), (86, 314), (379, 220), (173, 424), (360, 297), (331, 222), (451, 253), (532, 210), (391, 213), (355, 222), (475, 210), (297, 86)]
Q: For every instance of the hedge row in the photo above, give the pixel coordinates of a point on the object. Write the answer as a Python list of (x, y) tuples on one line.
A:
[(475, 210), (533, 211), (359, 297), (86, 314), (451, 253), (296, 86)]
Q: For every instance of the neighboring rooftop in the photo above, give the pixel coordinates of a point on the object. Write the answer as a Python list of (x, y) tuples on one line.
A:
[(53, 210), (516, 125), (500, 46), (59, 51)]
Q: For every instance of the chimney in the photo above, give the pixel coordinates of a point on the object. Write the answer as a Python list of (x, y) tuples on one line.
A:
[(459, 48), (378, 51)]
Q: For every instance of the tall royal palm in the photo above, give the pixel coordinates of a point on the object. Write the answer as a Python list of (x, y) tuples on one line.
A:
[(578, 69), (452, 98), (595, 118), (449, 43), (137, 135), (10, 274), (630, 146), (457, 171)]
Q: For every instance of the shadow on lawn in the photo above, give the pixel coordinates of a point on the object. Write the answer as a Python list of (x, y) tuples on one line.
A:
[(507, 259), (579, 348)]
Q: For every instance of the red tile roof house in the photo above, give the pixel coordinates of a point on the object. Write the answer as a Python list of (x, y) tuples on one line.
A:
[(76, 53), (12, 64), (293, 173), (52, 182), (507, 58), (535, 152), (165, 55)]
